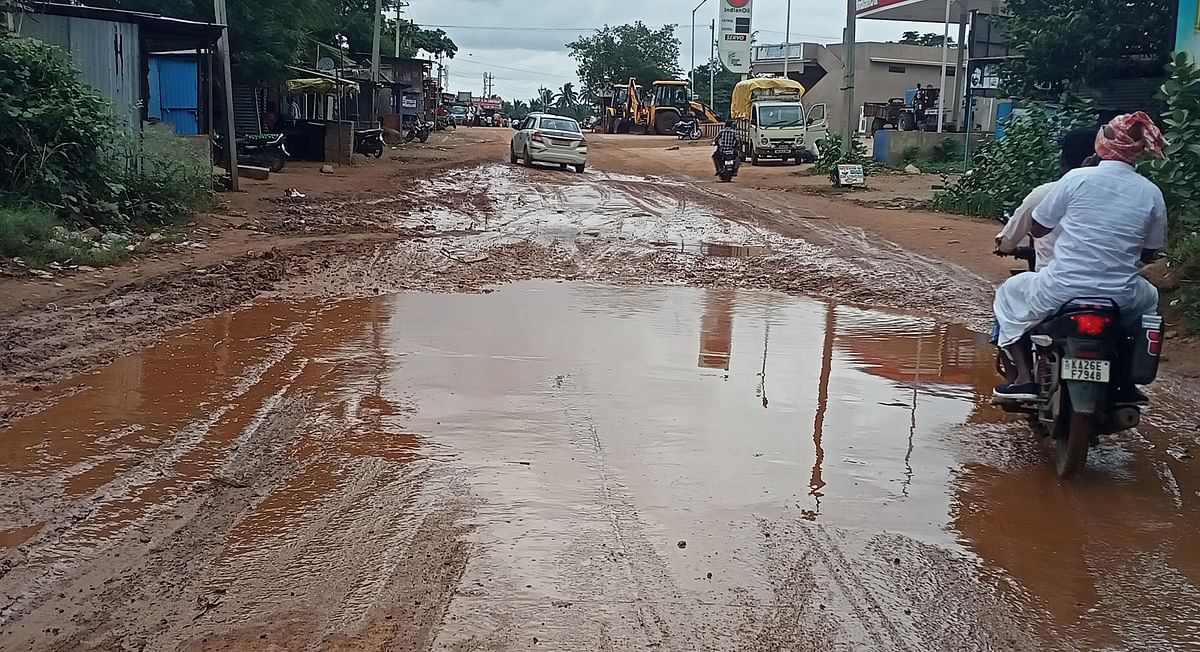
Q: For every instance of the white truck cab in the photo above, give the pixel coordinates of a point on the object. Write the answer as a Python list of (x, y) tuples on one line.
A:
[(774, 123)]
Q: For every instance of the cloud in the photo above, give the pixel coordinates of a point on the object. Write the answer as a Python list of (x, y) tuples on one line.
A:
[(524, 48)]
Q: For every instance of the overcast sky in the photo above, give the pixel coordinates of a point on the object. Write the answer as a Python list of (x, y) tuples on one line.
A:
[(522, 43)]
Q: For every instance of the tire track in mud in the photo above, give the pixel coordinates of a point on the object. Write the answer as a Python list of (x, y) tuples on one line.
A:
[(75, 537), (143, 592), (641, 568)]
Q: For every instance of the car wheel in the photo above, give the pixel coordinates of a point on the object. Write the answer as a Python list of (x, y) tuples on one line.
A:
[(528, 158), (562, 166), (753, 156), (579, 168), (512, 155)]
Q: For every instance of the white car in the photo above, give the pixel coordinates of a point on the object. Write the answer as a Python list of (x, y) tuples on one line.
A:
[(549, 138)]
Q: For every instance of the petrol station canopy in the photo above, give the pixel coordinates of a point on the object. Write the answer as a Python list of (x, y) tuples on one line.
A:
[(925, 11)]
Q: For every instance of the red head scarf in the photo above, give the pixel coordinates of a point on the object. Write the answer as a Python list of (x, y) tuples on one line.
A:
[(1125, 137)]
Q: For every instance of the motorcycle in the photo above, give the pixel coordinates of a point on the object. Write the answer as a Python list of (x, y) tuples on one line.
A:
[(369, 142), (1083, 356), (687, 128), (261, 150), (728, 167), (418, 130)]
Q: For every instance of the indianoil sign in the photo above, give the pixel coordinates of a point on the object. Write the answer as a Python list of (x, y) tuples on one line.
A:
[(733, 37)]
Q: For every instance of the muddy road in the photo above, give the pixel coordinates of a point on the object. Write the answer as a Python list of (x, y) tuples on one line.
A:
[(483, 407)]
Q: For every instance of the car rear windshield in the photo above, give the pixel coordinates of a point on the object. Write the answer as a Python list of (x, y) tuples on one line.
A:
[(560, 124)]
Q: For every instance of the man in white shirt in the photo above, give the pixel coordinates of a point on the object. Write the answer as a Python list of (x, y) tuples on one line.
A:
[(1078, 146), (1109, 217)]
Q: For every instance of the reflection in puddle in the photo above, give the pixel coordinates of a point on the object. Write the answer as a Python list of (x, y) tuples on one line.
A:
[(652, 414)]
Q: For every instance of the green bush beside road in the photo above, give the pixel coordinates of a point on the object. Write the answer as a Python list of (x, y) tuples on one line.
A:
[(70, 166)]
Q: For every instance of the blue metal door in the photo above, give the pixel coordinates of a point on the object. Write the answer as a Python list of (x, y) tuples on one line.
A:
[(178, 96)]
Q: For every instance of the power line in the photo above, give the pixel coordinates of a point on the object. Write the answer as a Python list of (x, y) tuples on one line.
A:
[(516, 29), (482, 64)]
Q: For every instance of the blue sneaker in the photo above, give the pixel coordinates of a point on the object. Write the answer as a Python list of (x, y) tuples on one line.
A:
[(1026, 392)]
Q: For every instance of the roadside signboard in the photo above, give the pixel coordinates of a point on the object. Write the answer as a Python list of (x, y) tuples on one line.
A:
[(733, 37), (851, 175), (488, 103)]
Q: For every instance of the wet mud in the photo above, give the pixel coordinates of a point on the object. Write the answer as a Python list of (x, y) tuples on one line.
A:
[(581, 465)]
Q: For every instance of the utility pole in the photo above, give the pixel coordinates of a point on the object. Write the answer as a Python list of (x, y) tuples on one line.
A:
[(231, 164), (945, 57), (375, 61), (787, 39), (488, 83), (848, 129), (712, 58), (692, 72)]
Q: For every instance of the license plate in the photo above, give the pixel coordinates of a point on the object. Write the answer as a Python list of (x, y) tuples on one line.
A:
[(1093, 371), (555, 141)]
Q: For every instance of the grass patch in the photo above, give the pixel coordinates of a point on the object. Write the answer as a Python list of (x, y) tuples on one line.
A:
[(37, 238)]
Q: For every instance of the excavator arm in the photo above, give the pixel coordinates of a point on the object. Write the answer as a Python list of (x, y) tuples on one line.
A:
[(705, 111)]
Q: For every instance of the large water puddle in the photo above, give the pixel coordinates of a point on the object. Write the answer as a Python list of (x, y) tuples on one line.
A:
[(591, 420)]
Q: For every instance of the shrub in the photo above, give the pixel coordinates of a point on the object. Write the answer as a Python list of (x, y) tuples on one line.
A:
[(832, 156), (172, 178), (1178, 176), (66, 162), (1025, 158), (56, 134)]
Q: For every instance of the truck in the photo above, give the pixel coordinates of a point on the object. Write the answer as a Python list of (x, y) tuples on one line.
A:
[(917, 110), (774, 123)]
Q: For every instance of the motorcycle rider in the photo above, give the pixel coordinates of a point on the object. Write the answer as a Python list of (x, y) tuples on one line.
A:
[(1109, 217), (1078, 146), (727, 140), (1078, 150)]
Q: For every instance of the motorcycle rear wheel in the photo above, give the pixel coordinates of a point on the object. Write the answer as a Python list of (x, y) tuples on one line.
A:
[(1071, 443), (274, 162), (423, 136)]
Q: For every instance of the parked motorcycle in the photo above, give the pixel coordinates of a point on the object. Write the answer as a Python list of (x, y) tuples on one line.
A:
[(1083, 357), (687, 128), (728, 167), (418, 130), (369, 142), (261, 150)]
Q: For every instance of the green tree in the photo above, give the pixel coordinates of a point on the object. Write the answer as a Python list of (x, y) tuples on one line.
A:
[(723, 83), (567, 98), (614, 54), (929, 38), (1068, 45)]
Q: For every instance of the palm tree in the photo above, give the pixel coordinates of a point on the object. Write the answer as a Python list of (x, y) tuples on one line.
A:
[(535, 104), (545, 98), (519, 109), (567, 97)]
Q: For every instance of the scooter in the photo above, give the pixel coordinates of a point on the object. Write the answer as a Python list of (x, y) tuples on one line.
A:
[(418, 130), (1083, 355), (261, 150), (687, 128), (728, 161), (369, 142)]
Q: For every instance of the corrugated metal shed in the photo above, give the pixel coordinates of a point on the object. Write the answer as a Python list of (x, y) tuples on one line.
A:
[(107, 54)]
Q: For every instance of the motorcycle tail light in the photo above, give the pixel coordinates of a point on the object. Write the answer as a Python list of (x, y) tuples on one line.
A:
[(1086, 324), (1154, 342)]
